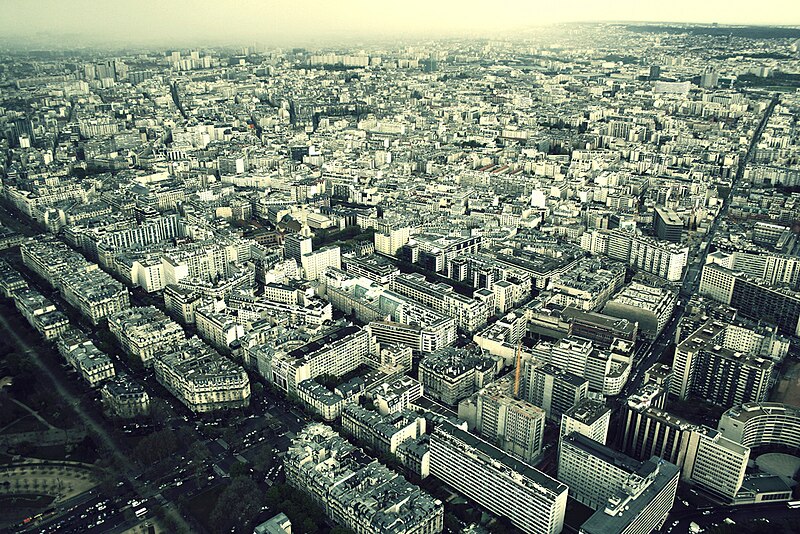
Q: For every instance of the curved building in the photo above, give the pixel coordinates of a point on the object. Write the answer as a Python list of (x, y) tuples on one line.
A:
[(754, 424)]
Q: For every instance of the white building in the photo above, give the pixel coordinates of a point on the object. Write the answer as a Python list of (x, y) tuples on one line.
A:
[(533, 502), (314, 263), (590, 418)]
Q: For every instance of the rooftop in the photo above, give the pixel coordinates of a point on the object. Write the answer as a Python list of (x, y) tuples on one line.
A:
[(492, 456)]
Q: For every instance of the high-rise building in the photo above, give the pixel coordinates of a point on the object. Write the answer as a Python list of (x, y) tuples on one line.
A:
[(649, 430), (315, 262), (630, 497), (664, 259), (533, 502), (589, 417), (705, 456), (554, 389), (514, 425), (569, 353), (702, 366), (667, 225), (655, 72), (612, 483), (715, 463), (710, 78), (296, 246), (752, 297), (390, 240)]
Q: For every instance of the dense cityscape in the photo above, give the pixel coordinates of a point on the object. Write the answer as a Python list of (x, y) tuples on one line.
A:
[(542, 283)]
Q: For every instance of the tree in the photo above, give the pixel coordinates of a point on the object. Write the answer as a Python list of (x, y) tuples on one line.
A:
[(329, 381), (155, 447), (159, 412), (307, 526), (301, 510), (238, 469), (198, 452), (237, 506), (263, 459)]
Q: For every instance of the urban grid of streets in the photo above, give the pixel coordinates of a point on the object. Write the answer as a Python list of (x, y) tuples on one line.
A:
[(505, 223)]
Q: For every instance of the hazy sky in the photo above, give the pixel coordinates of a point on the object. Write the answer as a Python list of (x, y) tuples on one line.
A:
[(284, 21)]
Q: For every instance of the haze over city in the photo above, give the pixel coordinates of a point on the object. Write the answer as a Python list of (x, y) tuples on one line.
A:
[(297, 23)]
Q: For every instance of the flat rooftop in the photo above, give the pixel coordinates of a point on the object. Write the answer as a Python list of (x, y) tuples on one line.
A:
[(493, 453)]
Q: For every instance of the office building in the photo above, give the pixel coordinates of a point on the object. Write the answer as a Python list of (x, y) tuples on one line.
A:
[(612, 483), (588, 417), (383, 434), (667, 225), (602, 330), (375, 267), (218, 325), (556, 391), (514, 425), (182, 302), (469, 313), (336, 353), (394, 318), (650, 307), (451, 374), (534, 502)]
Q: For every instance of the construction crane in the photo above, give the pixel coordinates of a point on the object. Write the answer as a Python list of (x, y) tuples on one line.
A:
[(517, 371)]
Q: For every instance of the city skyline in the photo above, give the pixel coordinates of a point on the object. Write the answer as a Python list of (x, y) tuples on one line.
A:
[(205, 22)]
